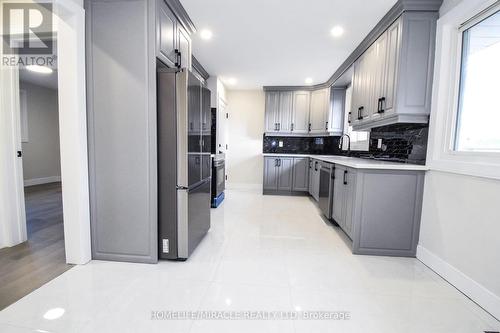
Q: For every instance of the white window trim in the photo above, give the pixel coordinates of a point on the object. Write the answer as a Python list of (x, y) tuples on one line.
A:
[(441, 155)]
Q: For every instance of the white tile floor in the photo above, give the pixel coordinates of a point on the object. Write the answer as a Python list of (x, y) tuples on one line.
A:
[(262, 253)]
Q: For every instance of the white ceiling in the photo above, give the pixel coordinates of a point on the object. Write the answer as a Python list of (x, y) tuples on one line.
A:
[(279, 42)]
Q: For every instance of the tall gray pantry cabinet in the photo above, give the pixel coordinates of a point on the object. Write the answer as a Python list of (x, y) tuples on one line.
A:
[(124, 39)]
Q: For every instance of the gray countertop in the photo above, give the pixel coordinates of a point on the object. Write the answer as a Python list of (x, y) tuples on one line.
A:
[(357, 162)]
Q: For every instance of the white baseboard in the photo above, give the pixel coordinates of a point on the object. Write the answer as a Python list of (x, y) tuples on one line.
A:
[(475, 291), (39, 181), (243, 186)]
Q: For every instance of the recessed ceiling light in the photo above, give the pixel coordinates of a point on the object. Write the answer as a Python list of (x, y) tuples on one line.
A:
[(337, 31), (308, 80), (206, 34), (231, 81), (39, 69)]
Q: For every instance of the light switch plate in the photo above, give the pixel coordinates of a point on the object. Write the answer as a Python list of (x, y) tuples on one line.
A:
[(280, 143)]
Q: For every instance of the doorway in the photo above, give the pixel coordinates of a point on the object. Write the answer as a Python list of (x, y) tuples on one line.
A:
[(72, 211), (27, 266)]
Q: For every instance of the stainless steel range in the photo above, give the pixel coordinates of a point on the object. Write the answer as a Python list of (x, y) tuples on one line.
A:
[(218, 179)]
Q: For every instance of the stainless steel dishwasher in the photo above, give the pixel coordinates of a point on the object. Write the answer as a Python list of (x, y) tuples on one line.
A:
[(327, 171)]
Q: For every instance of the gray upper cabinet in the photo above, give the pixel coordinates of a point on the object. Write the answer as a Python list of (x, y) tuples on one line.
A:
[(278, 117), (336, 116), (392, 80), (300, 116), (320, 103), (272, 111), (166, 34), (184, 48), (304, 112), (285, 112), (301, 174), (173, 42)]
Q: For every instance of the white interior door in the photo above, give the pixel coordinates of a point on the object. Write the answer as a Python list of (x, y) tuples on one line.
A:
[(12, 208)]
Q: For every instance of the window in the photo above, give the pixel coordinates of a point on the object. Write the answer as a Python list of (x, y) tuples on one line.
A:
[(360, 140), (478, 120)]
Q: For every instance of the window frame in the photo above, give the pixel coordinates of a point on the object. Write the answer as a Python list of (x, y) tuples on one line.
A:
[(474, 20), (441, 154)]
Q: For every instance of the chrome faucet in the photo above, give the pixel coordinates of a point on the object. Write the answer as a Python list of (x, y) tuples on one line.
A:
[(341, 142)]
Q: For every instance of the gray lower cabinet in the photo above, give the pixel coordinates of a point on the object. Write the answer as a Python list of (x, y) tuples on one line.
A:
[(314, 179), (379, 209), (301, 174), (285, 175), (270, 182)]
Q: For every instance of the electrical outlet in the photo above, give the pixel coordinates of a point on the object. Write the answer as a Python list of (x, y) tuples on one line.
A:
[(379, 143), (280, 144)]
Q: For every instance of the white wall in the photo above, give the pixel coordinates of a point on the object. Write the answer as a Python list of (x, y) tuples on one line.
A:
[(246, 127), (460, 226), (41, 156)]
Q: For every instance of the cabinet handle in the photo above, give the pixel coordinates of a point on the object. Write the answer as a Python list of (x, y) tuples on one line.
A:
[(178, 58), (326, 126), (333, 173), (310, 164), (381, 101), (360, 109), (275, 126), (275, 162), (291, 127), (315, 165), (349, 118), (279, 162), (345, 177), (279, 126), (309, 128)]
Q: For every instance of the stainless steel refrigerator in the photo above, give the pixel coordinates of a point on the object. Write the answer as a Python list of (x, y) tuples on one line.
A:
[(183, 162)]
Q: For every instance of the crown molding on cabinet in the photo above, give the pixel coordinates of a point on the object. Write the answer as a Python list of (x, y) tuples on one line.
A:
[(199, 68), (182, 15), (392, 15)]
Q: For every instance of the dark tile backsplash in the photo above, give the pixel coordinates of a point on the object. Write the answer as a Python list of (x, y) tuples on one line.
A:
[(404, 142), (400, 142), (302, 145)]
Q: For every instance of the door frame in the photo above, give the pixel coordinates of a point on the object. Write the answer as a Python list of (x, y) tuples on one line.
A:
[(69, 18)]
